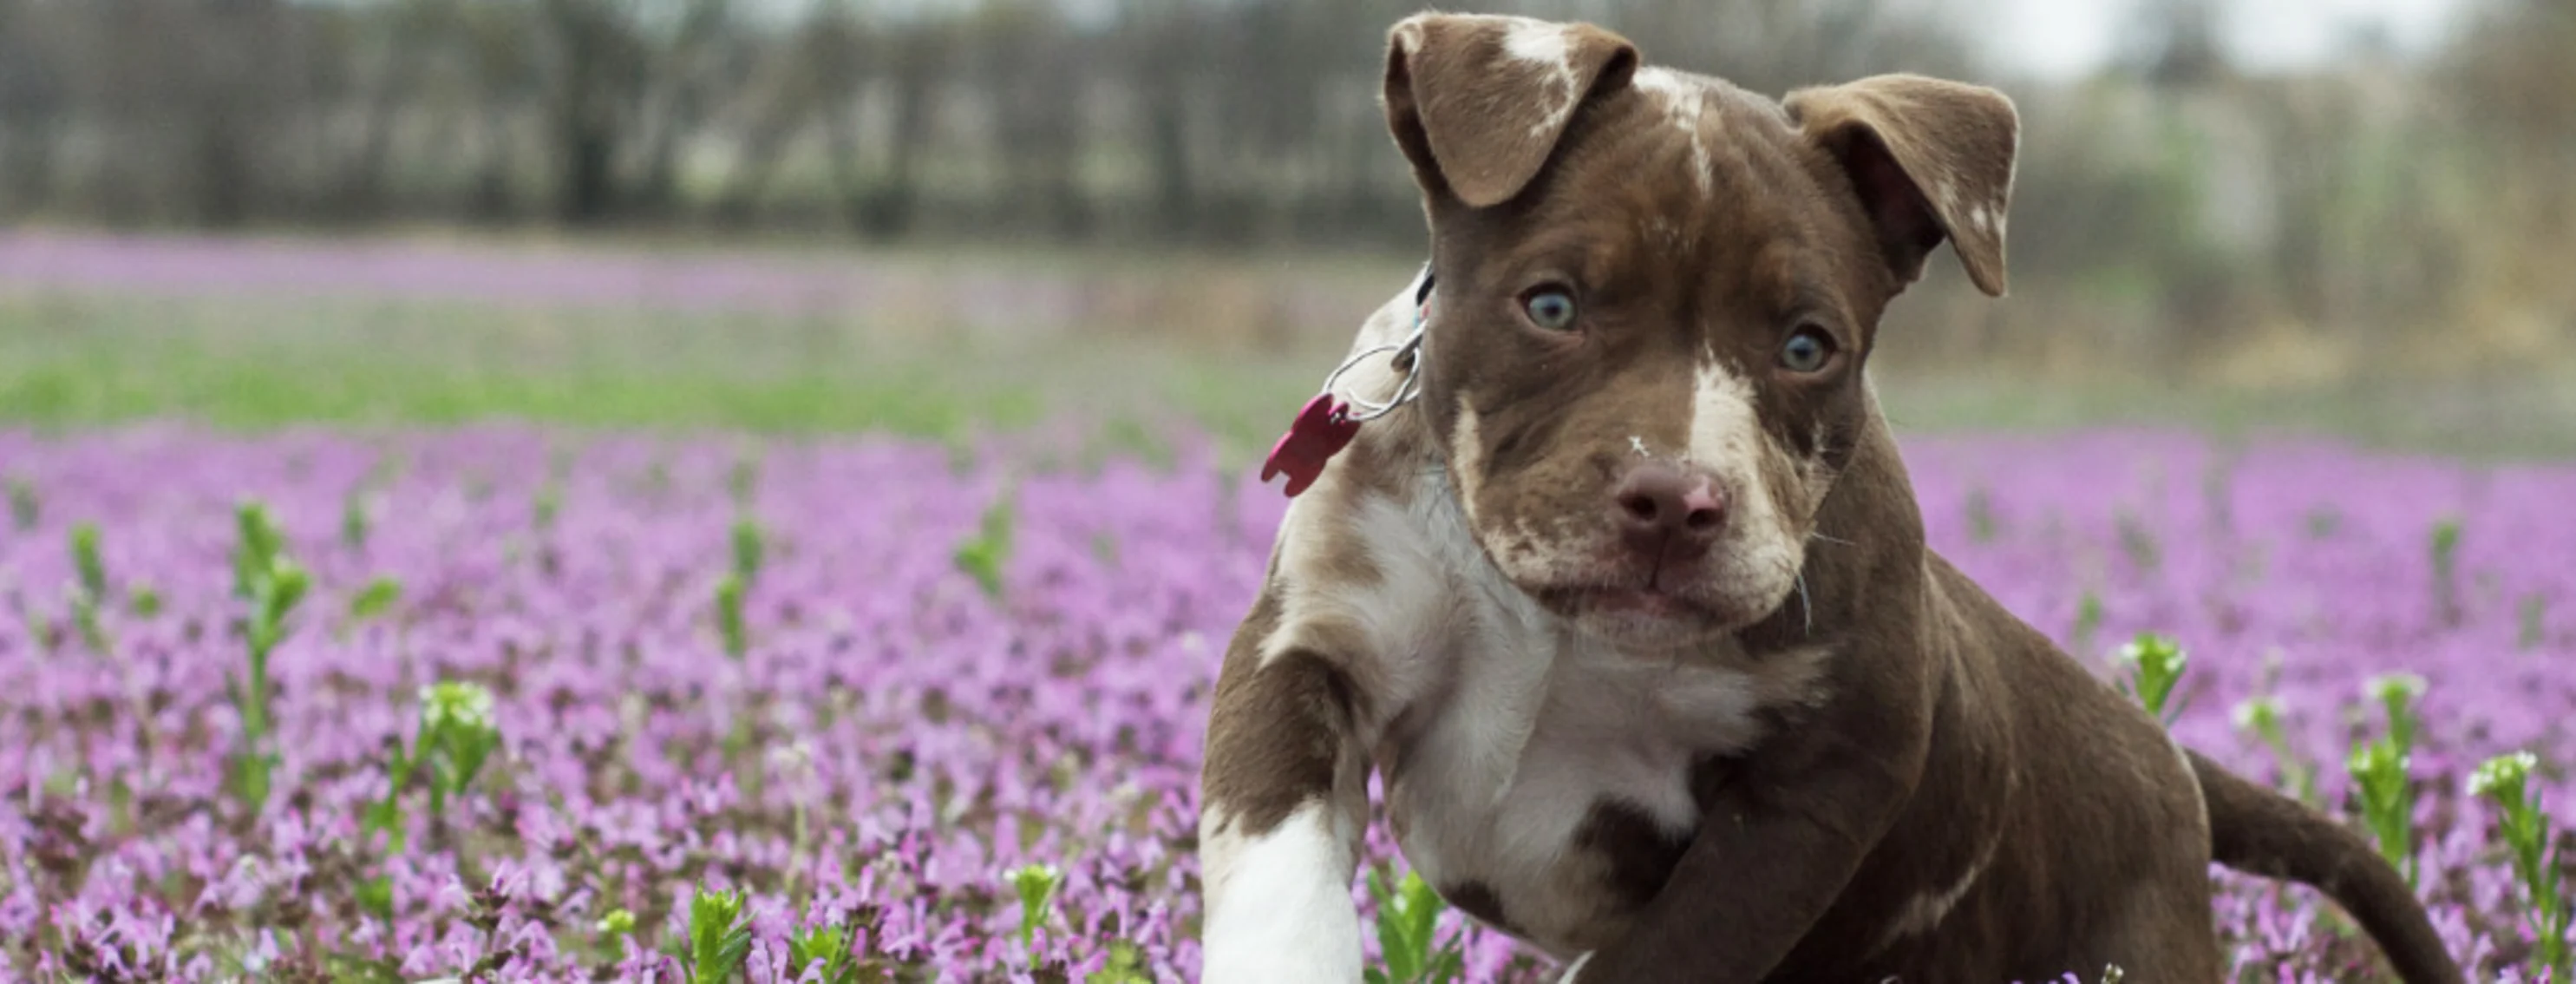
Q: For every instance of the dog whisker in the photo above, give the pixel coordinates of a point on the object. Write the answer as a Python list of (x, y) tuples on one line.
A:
[(1806, 609), (1830, 539)]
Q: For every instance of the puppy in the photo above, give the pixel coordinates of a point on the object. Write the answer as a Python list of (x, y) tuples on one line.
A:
[(1620, 586)]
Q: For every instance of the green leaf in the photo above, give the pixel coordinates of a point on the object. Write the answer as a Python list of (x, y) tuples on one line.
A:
[(1035, 884), (24, 509), (2156, 664), (2446, 568), (85, 558), (549, 501), (353, 520), (2138, 543), (251, 772), (1395, 949), (260, 541), (85, 618), (1981, 517), (747, 550), (2396, 693), (618, 922), (377, 896), (1450, 965), (459, 730), (287, 582), (729, 620), (2380, 770), (378, 598), (717, 942), (828, 945), (1126, 965), (983, 556), (2088, 619), (1422, 912), (2323, 522)]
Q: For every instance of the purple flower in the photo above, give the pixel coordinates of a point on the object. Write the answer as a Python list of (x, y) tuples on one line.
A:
[(894, 738)]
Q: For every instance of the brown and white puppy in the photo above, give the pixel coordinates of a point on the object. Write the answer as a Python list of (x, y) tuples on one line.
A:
[(1631, 607)]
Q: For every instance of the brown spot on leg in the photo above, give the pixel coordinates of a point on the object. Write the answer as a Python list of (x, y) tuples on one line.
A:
[(1637, 854), (1278, 736)]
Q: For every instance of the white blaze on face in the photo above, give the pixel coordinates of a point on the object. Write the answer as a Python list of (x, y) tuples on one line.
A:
[(1467, 457), (1279, 903), (1725, 434), (1684, 102), (1727, 439)]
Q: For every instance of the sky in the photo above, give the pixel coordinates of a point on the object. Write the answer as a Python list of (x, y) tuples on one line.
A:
[(2058, 38)]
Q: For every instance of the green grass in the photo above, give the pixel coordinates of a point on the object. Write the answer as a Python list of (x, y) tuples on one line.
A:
[(75, 360), (255, 394)]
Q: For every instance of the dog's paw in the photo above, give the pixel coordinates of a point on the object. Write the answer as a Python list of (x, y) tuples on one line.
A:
[(1575, 969)]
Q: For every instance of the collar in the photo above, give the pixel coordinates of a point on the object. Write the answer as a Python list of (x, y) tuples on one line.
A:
[(1328, 422)]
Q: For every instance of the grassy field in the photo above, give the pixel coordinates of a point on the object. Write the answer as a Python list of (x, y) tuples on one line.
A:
[(596, 697), (278, 333)]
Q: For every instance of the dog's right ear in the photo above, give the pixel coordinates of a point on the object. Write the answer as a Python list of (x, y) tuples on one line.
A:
[(1478, 101)]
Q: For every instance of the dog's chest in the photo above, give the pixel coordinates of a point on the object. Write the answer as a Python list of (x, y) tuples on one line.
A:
[(1543, 783)]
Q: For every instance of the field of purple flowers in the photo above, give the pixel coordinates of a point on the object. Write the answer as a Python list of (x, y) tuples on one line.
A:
[(532, 705)]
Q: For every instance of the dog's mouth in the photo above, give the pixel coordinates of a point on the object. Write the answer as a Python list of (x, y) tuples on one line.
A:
[(1647, 602), (1639, 614)]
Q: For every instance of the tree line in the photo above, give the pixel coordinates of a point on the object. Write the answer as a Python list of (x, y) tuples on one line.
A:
[(2167, 201), (1248, 120)]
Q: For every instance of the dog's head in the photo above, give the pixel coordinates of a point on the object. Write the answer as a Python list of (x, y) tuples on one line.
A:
[(1655, 295)]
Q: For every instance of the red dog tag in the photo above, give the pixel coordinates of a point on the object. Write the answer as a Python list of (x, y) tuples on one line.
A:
[(1321, 431)]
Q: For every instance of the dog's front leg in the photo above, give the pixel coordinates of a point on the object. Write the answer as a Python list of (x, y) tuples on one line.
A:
[(1283, 806), (1779, 842)]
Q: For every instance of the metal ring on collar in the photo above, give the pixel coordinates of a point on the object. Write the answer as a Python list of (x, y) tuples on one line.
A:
[(1407, 353)]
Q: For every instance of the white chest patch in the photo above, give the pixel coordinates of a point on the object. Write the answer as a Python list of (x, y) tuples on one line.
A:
[(1507, 728), (1496, 781)]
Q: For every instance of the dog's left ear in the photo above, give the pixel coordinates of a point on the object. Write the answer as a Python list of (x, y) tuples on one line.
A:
[(1929, 158), (1478, 101)]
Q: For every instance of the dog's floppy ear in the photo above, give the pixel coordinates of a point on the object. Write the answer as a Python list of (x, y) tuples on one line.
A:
[(1478, 101), (1930, 159)]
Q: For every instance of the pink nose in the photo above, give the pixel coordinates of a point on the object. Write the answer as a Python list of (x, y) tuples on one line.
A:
[(1661, 508)]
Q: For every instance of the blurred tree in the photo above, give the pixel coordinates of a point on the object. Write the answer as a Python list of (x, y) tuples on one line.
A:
[(2178, 204), (1033, 77), (595, 70), (680, 80), (2176, 43), (391, 60), (1158, 44), (35, 105)]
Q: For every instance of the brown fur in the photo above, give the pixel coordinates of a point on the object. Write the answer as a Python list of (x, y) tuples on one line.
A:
[(1947, 797)]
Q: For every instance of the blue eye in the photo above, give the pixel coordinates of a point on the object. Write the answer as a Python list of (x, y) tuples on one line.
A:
[(1551, 308), (1807, 351)]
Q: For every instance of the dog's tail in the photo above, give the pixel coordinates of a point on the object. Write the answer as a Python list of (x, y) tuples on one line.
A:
[(2259, 831)]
